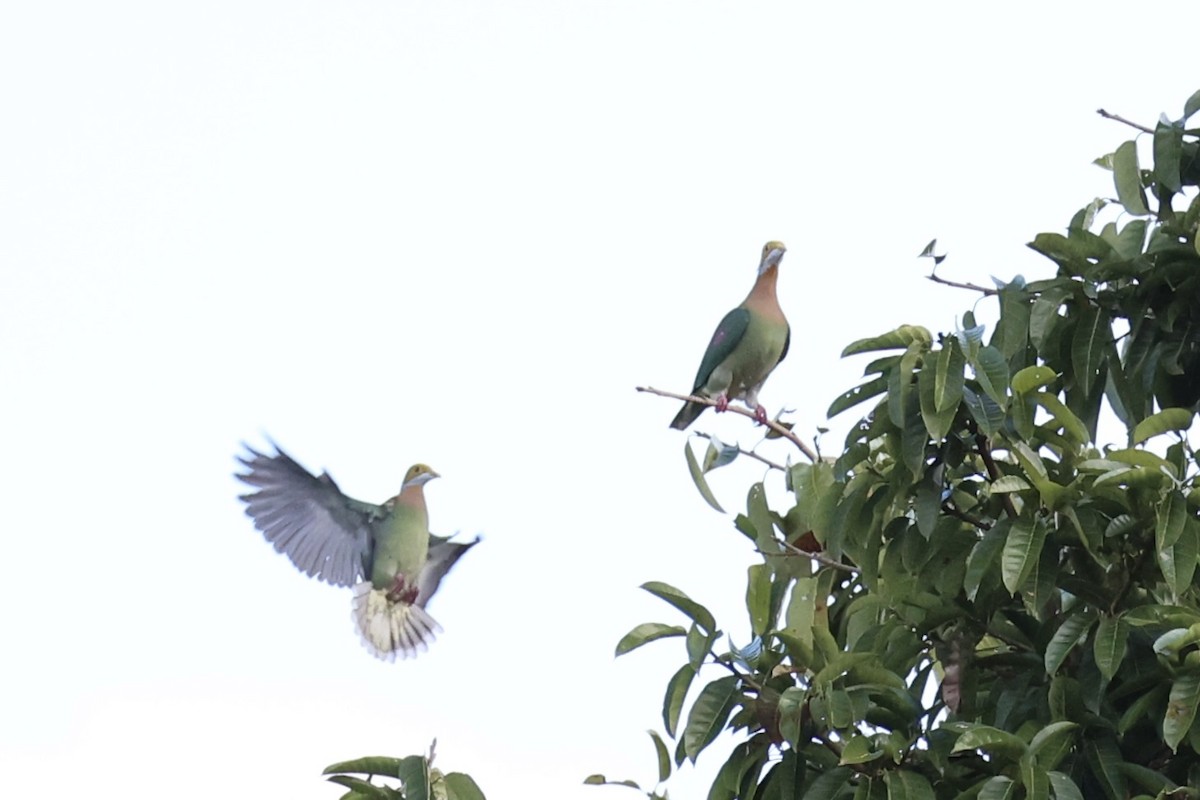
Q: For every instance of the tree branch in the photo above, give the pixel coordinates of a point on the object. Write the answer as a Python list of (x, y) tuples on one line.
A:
[(1122, 120), (952, 510), (985, 451), (772, 424), (986, 291), (796, 552), (745, 452)]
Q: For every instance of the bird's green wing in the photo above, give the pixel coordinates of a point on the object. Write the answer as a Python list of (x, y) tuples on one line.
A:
[(443, 553), (787, 341), (326, 534), (729, 332)]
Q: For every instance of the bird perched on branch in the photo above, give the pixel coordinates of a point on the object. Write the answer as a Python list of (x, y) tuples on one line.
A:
[(750, 342), (385, 552)]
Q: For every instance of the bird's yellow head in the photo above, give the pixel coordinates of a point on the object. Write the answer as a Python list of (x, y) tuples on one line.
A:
[(417, 475), (772, 254)]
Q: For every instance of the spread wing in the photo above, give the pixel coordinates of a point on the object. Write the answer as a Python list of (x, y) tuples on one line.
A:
[(443, 553), (729, 332), (326, 534)]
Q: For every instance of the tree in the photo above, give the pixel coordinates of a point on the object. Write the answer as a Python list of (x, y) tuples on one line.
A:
[(977, 597)]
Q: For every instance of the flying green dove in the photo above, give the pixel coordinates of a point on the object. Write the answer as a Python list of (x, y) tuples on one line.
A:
[(750, 341), (385, 552)]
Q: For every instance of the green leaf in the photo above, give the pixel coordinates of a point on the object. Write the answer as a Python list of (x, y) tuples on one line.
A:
[(991, 740), (1044, 317), (785, 781), (905, 785), (1190, 107), (1112, 637), (758, 598), (1170, 521), (859, 749), (698, 477), (371, 765), (984, 411), (1104, 758), (698, 644), (1064, 787), (360, 788), (1181, 707), (1072, 629), (696, 612), (1072, 427), (760, 518), (948, 378), (708, 714), (1021, 551), (460, 786), (1089, 346), (1051, 744), (414, 774), (664, 756), (899, 338), (1128, 179), (677, 689), (1031, 378), (791, 708), (802, 610), (937, 423), (1009, 483), (991, 370), (600, 780), (983, 557), (1012, 331), (1149, 779), (998, 788), (1169, 419), (1178, 562), (857, 395), (647, 632), (830, 784), (1168, 149), (718, 454)]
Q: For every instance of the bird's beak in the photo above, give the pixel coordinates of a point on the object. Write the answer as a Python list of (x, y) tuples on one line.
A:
[(421, 480), (772, 258)]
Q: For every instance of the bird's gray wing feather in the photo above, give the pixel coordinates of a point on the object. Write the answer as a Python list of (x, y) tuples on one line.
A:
[(326, 534), (443, 553)]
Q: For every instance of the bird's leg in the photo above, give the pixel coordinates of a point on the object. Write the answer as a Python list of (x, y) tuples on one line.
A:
[(722, 403), (401, 592), (760, 415)]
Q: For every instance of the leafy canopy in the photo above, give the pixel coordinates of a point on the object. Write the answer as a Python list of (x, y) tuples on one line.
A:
[(976, 597)]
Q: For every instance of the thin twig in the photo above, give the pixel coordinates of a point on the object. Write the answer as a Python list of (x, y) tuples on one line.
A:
[(1122, 120), (985, 451), (745, 452), (953, 511), (796, 552), (772, 424), (986, 291)]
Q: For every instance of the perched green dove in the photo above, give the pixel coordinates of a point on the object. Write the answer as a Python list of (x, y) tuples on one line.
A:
[(750, 341), (385, 552)]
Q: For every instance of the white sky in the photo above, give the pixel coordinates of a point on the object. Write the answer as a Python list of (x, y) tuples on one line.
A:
[(460, 233)]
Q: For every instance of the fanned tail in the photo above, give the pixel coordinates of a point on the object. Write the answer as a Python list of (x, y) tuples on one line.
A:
[(391, 630)]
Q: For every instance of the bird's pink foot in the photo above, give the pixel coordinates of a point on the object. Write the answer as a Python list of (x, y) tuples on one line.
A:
[(722, 403), (760, 415), (401, 592)]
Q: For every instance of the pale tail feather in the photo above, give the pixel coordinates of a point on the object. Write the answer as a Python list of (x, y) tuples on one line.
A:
[(391, 630)]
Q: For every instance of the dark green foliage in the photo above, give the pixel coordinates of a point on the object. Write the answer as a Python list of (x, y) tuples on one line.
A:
[(417, 780), (977, 597)]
